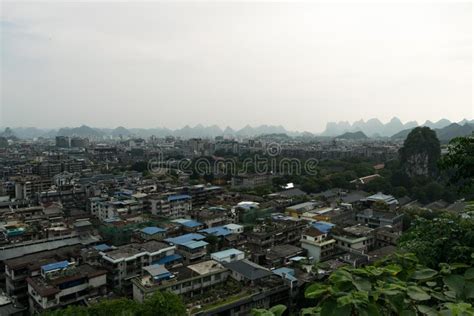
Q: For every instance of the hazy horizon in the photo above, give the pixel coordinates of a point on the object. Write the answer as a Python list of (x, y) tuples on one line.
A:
[(236, 128), (299, 65)]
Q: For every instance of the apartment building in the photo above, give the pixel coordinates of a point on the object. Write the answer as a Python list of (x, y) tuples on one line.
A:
[(171, 206), (186, 281), (63, 283), (126, 262), (191, 246), (318, 244)]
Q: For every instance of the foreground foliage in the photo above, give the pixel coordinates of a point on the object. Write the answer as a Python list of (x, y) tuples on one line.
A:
[(448, 238), (161, 303), (459, 161), (395, 286)]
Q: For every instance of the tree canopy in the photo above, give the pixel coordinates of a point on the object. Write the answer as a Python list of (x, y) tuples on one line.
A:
[(459, 162), (161, 303), (448, 238)]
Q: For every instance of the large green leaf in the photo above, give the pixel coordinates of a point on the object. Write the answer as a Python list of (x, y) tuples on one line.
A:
[(417, 294), (469, 289), (278, 310), (315, 290), (372, 310), (427, 310), (330, 308), (362, 284), (340, 276), (424, 274), (469, 274), (374, 270), (359, 299), (393, 269), (455, 283), (310, 311)]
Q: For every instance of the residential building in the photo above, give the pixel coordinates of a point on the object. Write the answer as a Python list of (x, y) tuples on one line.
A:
[(63, 283), (170, 206), (357, 238), (191, 246), (185, 281), (126, 262), (318, 244), (228, 255), (375, 219)]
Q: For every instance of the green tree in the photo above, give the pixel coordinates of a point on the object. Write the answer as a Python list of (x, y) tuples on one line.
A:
[(448, 238), (459, 162), (378, 185), (164, 303), (160, 303)]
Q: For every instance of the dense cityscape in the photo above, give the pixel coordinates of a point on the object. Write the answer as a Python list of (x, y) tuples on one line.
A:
[(236, 158), (230, 225)]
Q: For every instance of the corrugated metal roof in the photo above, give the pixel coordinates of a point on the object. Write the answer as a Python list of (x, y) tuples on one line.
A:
[(178, 197), (180, 240), (152, 230), (55, 266)]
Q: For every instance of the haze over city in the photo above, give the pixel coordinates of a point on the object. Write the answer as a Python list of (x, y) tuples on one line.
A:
[(236, 158), (232, 64)]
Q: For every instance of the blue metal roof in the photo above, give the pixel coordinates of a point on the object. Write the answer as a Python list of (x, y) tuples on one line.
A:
[(55, 266), (168, 259), (195, 244), (180, 240), (216, 231), (178, 197), (286, 273), (191, 223), (152, 230), (324, 227), (226, 253), (102, 247)]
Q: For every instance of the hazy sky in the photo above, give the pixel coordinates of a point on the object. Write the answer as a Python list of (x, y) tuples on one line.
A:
[(170, 64)]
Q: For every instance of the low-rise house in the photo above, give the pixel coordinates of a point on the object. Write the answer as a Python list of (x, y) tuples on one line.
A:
[(126, 262), (191, 246), (357, 238), (17, 270), (280, 255), (152, 233), (213, 216), (251, 181), (186, 281), (189, 225), (235, 228), (170, 205), (284, 231), (388, 200), (299, 209), (318, 244), (247, 272), (375, 219), (228, 255), (64, 283)]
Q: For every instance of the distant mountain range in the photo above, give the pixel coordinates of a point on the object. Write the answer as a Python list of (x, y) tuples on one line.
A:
[(369, 129), (445, 133), (185, 132), (375, 128)]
